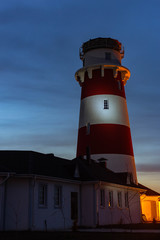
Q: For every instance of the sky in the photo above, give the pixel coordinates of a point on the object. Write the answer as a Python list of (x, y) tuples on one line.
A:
[(39, 55)]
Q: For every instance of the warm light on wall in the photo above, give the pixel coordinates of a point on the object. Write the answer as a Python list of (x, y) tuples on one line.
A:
[(150, 207), (94, 106)]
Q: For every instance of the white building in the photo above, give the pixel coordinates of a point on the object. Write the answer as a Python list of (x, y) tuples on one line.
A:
[(43, 192)]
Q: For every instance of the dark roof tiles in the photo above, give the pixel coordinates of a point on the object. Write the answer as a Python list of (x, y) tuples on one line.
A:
[(29, 162)]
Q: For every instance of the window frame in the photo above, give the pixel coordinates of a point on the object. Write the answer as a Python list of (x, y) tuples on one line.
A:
[(42, 195), (58, 198), (119, 199), (126, 200), (108, 56), (106, 104), (110, 199)]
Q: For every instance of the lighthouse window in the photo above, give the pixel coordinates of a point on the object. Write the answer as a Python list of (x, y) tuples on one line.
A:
[(106, 104), (108, 56)]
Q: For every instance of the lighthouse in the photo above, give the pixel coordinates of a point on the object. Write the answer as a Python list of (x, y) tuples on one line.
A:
[(104, 129)]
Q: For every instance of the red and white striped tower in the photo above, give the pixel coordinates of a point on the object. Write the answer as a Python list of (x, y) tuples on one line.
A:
[(104, 129)]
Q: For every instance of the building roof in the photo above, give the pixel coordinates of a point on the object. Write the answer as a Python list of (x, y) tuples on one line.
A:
[(93, 171), (30, 162), (149, 191)]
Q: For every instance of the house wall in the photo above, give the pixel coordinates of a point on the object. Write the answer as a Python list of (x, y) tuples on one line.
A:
[(49, 217), (116, 214), (135, 212), (15, 202), (88, 203), (20, 210), (94, 214), (1, 203)]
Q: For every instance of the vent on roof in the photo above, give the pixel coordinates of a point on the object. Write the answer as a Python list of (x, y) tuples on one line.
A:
[(76, 171), (88, 154), (129, 178)]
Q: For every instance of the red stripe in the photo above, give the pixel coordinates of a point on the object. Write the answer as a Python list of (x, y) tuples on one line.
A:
[(105, 138), (102, 85)]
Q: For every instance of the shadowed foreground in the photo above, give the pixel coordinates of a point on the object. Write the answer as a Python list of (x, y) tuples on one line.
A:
[(77, 236)]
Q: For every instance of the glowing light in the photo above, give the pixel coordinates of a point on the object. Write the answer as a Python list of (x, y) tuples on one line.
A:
[(150, 207)]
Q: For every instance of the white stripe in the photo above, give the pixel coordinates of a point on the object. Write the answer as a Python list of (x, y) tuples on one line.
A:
[(119, 163), (92, 110)]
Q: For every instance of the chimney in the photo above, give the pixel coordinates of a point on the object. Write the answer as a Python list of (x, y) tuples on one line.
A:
[(88, 154), (103, 162)]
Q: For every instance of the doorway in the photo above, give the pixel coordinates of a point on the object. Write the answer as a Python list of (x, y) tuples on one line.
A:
[(74, 205)]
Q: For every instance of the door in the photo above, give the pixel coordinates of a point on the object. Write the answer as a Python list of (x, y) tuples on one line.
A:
[(74, 205)]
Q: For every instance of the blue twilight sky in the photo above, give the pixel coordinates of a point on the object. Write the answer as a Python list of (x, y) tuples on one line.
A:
[(39, 54)]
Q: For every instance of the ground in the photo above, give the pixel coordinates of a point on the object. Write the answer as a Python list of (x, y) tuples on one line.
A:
[(100, 233), (77, 236)]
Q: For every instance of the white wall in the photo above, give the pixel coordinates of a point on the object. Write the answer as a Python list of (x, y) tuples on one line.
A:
[(22, 211), (97, 56), (16, 210), (135, 206), (115, 214), (1, 203), (56, 218), (88, 200)]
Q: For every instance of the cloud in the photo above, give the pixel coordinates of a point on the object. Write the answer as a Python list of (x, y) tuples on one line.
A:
[(63, 145), (148, 168), (39, 55)]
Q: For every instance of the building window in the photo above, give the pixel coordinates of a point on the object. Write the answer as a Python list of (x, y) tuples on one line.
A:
[(110, 200), (106, 104), (126, 200), (57, 196), (42, 195), (108, 56), (119, 84), (88, 128), (102, 197), (119, 199)]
